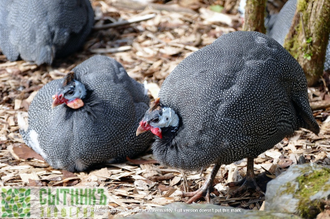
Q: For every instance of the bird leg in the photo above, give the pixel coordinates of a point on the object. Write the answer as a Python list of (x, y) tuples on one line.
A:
[(204, 191), (185, 182), (248, 182)]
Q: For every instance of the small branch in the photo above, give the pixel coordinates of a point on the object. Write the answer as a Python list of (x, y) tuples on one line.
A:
[(121, 23), (136, 5), (111, 50)]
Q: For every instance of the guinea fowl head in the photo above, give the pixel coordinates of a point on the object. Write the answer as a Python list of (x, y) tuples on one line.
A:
[(158, 118), (71, 93)]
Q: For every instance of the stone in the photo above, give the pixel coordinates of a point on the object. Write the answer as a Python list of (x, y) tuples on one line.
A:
[(301, 190)]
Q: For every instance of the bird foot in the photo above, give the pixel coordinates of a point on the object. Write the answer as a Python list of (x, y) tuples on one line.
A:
[(246, 184), (204, 191)]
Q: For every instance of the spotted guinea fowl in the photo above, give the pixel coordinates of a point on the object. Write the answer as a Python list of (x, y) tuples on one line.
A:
[(282, 25), (88, 118), (233, 99), (40, 30)]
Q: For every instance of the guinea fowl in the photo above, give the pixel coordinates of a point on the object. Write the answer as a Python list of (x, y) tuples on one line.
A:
[(233, 99), (88, 118), (283, 23), (39, 30)]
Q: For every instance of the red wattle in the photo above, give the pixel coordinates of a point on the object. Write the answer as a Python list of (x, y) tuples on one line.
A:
[(146, 126), (156, 131)]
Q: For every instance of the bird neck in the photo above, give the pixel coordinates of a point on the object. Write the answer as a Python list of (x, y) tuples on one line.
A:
[(168, 133), (80, 90)]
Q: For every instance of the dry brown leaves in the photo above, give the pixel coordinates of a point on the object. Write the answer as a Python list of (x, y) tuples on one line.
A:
[(149, 50)]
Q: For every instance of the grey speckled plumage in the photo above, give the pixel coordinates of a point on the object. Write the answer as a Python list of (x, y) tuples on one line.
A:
[(39, 30), (103, 130), (282, 25), (236, 98)]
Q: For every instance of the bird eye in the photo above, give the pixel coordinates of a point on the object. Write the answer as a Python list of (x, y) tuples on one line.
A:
[(70, 92), (166, 118), (155, 120)]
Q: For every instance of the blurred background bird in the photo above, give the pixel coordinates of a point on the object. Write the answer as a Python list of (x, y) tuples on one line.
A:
[(40, 31)]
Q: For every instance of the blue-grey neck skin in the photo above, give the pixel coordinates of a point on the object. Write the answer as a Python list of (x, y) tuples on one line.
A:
[(73, 90), (166, 117), (79, 91)]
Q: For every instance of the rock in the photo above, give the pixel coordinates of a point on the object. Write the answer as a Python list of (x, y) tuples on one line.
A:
[(200, 211), (301, 190)]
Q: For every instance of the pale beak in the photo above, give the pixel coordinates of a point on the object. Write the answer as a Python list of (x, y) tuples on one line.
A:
[(56, 101), (140, 130)]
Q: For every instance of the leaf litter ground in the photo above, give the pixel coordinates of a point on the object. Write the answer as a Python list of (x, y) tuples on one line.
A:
[(149, 41)]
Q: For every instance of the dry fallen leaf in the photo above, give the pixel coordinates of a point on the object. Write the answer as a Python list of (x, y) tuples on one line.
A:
[(67, 174), (24, 152)]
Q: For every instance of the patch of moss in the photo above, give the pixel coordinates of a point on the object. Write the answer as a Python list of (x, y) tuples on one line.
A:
[(216, 8), (292, 44), (308, 185), (302, 5), (320, 27), (255, 21), (317, 31), (308, 56), (290, 188), (310, 52)]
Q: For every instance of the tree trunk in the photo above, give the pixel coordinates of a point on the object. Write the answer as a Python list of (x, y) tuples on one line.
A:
[(254, 16), (309, 35)]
